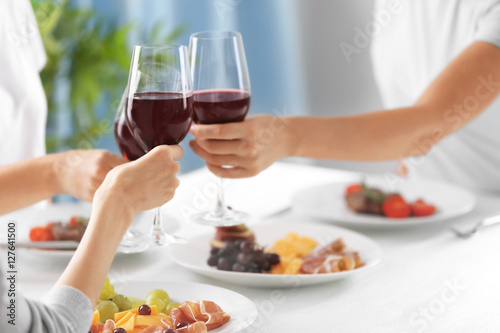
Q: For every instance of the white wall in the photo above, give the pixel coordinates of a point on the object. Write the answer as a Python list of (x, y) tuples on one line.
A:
[(333, 86)]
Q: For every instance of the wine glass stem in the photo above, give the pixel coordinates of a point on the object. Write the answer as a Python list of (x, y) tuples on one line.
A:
[(157, 230), (221, 202)]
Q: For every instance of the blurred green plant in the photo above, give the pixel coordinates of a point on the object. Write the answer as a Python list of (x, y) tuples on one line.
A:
[(91, 56)]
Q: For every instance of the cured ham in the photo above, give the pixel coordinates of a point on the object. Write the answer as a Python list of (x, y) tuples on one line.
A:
[(332, 258), (200, 311)]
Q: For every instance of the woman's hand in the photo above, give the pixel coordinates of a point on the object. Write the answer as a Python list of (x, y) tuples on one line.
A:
[(143, 184), (81, 172), (249, 146)]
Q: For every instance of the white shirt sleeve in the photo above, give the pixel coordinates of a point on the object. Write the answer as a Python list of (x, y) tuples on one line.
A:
[(488, 28)]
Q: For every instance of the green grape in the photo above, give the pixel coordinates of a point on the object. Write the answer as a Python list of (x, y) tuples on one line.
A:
[(107, 291), (107, 310), (158, 302), (136, 302), (159, 294), (171, 306), (122, 302)]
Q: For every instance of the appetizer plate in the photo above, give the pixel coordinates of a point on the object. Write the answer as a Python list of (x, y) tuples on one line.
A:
[(243, 311), (327, 202), (195, 253), (40, 215)]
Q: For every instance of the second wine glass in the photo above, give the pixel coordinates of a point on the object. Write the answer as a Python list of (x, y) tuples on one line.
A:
[(159, 107), (222, 95)]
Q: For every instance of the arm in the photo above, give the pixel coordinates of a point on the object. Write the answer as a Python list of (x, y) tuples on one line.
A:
[(77, 172), (459, 94), (69, 306)]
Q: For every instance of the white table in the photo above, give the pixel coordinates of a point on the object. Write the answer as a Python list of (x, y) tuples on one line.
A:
[(428, 281)]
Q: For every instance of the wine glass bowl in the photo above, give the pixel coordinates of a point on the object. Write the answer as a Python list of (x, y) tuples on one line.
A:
[(221, 95), (159, 106)]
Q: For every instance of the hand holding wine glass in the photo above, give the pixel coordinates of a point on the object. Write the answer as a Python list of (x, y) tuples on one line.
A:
[(222, 95), (159, 107)]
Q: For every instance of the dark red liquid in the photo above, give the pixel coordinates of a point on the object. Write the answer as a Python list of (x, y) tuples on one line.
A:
[(126, 142), (220, 106), (159, 118)]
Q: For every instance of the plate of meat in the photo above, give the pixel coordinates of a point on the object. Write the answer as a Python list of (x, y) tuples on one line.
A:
[(375, 202), (63, 222), (279, 255)]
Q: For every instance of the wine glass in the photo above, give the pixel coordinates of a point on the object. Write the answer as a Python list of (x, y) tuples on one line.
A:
[(159, 107), (222, 95)]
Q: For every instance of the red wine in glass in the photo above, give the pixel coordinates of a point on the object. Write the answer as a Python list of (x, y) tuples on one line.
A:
[(129, 148), (160, 118), (220, 106)]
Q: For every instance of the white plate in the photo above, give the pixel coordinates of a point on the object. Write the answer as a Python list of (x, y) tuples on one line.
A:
[(327, 202), (243, 311), (40, 215), (195, 253)]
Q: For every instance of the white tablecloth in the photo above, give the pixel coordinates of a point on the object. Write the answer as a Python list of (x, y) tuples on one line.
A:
[(428, 281)]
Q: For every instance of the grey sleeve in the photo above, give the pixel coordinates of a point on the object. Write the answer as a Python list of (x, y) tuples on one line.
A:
[(63, 310), (488, 28)]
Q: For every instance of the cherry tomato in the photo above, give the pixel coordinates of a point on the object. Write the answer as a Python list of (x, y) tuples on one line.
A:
[(396, 207), (421, 208), (41, 234), (353, 188), (73, 221)]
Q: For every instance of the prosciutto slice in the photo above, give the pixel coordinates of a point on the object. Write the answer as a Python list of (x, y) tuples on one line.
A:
[(200, 311)]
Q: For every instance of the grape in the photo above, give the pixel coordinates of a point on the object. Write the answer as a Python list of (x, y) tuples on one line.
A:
[(258, 256), (144, 310), (158, 302), (159, 294), (228, 250), (247, 246), (120, 330), (212, 260), (273, 258), (169, 330), (107, 291), (224, 264), (253, 269), (214, 251), (244, 258), (107, 310), (122, 302), (237, 243), (265, 265), (237, 267), (182, 324), (171, 306)]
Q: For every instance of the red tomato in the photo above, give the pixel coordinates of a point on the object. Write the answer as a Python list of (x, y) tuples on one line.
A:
[(73, 221), (41, 234), (421, 208), (353, 188), (396, 207)]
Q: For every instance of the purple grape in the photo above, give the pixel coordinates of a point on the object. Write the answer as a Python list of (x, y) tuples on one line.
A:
[(224, 264), (244, 258), (273, 258), (247, 246), (214, 251), (237, 267), (119, 330), (144, 310), (182, 324), (212, 260), (228, 250), (169, 330)]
